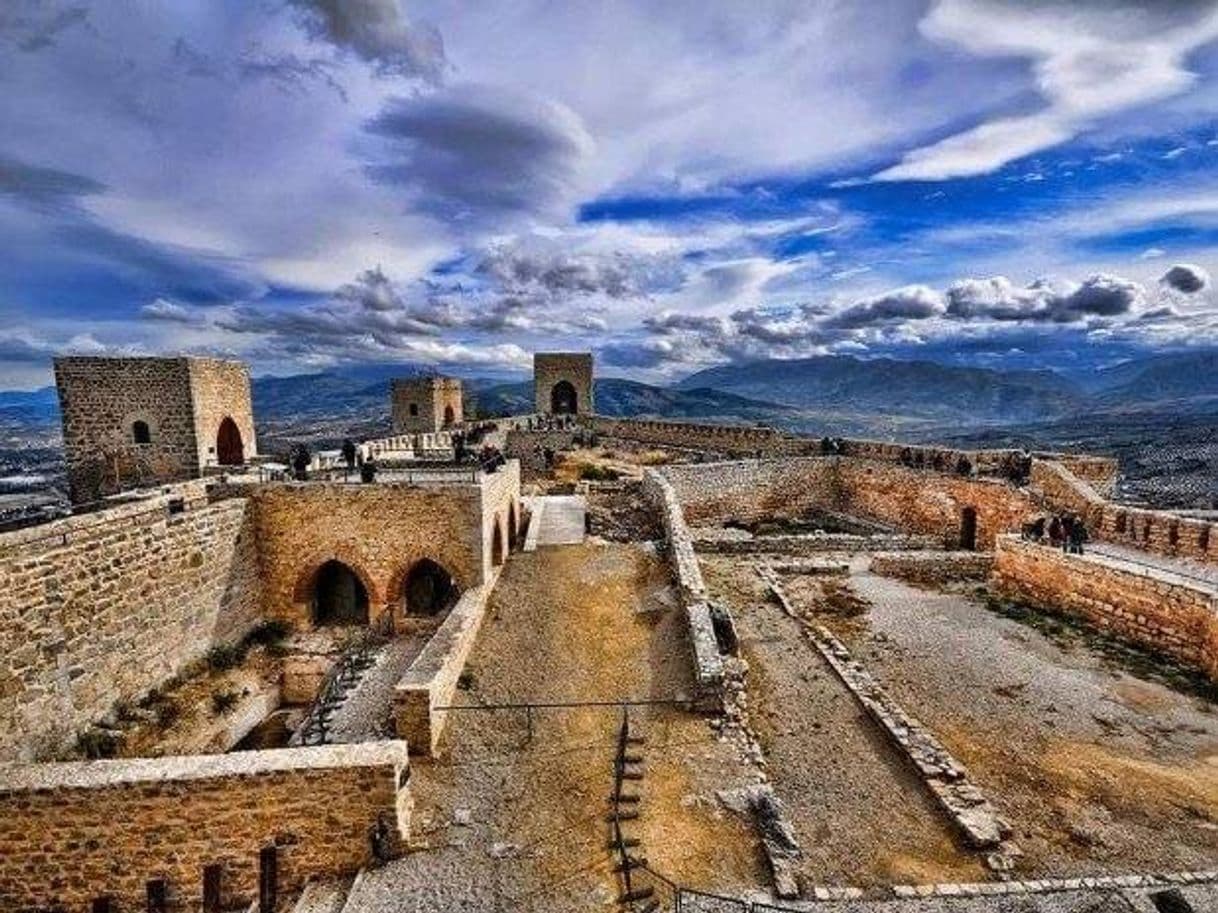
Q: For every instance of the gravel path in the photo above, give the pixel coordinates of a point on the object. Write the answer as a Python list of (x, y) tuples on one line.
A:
[(505, 822), (1098, 770), (364, 715)]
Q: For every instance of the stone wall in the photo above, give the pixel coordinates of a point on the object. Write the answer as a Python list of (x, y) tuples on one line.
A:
[(933, 567), (708, 665), (1158, 531), (220, 390), (910, 500), (380, 531), (102, 607), (430, 683), (529, 447), (100, 401), (70, 833), (1166, 612), (421, 404), (549, 368)]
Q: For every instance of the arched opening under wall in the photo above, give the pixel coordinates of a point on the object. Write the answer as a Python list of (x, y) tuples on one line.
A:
[(140, 432), (563, 400), (428, 589), (450, 417), (230, 450), (339, 597), (968, 529), (513, 526), (498, 551)]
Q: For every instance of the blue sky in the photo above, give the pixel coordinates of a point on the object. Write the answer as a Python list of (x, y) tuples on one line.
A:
[(308, 183)]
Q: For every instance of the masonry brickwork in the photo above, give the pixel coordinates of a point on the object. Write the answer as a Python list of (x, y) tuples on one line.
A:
[(553, 368), (380, 532), (181, 403), (1174, 615), (71, 833), (933, 567), (426, 404), (910, 500), (102, 607)]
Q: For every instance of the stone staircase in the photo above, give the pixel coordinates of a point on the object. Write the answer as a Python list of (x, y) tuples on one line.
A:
[(338, 685)]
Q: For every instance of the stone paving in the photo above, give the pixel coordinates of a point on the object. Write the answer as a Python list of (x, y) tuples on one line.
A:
[(562, 520)]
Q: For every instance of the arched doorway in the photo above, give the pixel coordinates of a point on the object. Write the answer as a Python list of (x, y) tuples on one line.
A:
[(428, 589), (449, 416), (140, 432), (339, 596), (563, 400), (968, 529), (513, 523), (230, 451), (498, 555)]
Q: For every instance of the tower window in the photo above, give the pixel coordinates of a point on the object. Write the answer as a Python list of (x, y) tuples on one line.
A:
[(140, 433), (414, 408)]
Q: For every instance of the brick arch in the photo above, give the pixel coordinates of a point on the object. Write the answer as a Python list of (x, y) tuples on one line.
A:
[(499, 542), (307, 573)]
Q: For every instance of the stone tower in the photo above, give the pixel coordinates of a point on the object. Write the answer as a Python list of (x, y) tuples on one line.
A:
[(131, 422), (562, 383), (426, 404)]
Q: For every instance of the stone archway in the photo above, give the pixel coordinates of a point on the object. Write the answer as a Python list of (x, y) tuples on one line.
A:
[(513, 526), (498, 550), (338, 596), (230, 449), (968, 529), (428, 589), (563, 399), (450, 417)]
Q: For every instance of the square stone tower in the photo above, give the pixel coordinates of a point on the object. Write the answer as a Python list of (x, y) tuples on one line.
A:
[(424, 405), (130, 422), (562, 383)]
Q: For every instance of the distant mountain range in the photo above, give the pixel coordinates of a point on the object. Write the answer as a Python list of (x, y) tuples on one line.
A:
[(831, 394)]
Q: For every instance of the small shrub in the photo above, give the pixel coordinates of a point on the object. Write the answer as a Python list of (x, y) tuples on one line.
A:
[(223, 702), (269, 633), (168, 712), (95, 744), (226, 656), (593, 473), (465, 680)]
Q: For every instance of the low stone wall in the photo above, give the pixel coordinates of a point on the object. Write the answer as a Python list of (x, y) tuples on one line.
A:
[(431, 680), (811, 543), (102, 607), (1174, 615), (70, 833), (911, 500), (933, 567), (708, 664), (1158, 531), (529, 447)]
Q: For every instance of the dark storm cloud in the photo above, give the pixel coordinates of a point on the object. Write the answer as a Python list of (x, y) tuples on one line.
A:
[(997, 298), (560, 273), (475, 154), (379, 32), (1186, 278), (914, 302), (44, 189)]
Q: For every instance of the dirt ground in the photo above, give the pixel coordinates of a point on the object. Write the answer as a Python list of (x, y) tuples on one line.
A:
[(1098, 770), (508, 822), (861, 816)]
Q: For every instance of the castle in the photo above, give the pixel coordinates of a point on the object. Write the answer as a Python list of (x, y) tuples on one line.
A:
[(373, 614)]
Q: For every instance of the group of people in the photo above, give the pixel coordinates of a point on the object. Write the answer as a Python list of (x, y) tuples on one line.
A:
[(1065, 531)]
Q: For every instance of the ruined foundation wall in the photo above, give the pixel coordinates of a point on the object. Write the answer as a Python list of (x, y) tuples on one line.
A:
[(104, 606), (911, 500), (1173, 615), (73, 832)]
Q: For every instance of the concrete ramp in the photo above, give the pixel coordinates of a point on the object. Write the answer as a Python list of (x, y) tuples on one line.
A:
[(561, 519)]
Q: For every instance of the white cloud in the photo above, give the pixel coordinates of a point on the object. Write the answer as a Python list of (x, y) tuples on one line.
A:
[(1089, 61)]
